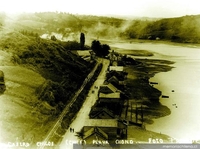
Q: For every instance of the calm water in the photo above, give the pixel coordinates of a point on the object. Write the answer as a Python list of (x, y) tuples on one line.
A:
[(184, 122)]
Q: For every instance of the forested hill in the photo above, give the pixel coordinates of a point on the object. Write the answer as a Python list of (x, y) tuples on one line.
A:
[(65, 25), (182, 29), (64, 71), (68, 26)]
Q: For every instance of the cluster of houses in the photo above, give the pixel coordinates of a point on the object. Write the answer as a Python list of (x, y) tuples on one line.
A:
[(105, 122)]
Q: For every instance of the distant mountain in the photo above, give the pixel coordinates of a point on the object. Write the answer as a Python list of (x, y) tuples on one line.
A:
[(181, 29), (131, 17), (68, 26)]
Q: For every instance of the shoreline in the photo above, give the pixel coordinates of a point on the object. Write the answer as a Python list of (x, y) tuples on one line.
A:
[(140, 41), (153, 109), (143, 92)]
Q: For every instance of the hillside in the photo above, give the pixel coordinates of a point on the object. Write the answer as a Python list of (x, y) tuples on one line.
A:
[(48, 58), (182, 29), (68, 26), (41, 76)]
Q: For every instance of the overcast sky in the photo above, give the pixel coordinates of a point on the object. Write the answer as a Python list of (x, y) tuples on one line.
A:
[(146, 8)]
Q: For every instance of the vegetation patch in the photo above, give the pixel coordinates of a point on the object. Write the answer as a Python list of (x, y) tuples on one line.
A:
[(40, 81), (79, 101)]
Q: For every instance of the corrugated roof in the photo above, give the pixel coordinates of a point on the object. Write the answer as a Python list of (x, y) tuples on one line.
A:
[(83, 52), (95, 131), (116, 68), (110, 87), (110, 95), (113, 79), (102, 122), (96, 111)]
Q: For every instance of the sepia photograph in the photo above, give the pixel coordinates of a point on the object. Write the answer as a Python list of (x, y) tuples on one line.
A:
[(109, 74)]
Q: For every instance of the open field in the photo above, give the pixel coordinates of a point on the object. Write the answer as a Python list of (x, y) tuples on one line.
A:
[(22, 114)]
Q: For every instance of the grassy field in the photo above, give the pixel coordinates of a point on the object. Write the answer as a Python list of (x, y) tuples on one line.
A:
[(21, 117)]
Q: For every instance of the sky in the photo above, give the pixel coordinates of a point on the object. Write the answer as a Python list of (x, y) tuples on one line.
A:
[(137, 8)]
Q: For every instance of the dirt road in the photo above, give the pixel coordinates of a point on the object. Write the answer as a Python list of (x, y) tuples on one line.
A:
[(70, 138)]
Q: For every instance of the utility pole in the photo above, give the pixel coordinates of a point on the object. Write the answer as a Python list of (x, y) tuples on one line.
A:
[(127, 105), (142, 114), (136, 114), (131, 111)]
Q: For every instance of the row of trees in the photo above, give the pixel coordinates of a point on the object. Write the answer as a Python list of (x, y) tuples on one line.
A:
[(29, 33), (101, 50)]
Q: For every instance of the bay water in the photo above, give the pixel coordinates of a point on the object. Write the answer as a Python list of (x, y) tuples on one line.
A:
[(181, 84)]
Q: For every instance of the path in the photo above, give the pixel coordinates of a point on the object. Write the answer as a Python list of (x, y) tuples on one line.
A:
[(57, 124), (83, 115)]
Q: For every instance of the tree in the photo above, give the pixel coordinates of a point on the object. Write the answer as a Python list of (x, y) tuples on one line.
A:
[(81, 135), (100, 50), (82, 40), (105, 49), (96, 46), (53, 37)]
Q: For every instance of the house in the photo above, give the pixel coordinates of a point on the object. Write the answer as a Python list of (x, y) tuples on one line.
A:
[(108, 88), (101, 113), (115, 81), (87, 55), (94, 135), (92, 55), (116, 68), (112, 101), (120, 75), (83, 52), (114, 58), (106, 129), (111, 97)]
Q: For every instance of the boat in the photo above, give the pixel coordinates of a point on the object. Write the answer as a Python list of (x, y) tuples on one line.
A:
[(164, 96)]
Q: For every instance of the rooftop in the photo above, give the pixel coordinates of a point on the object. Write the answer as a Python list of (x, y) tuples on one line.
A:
[(97, 131), (110, 95), (116, 68), (102, 122), (110, 87)]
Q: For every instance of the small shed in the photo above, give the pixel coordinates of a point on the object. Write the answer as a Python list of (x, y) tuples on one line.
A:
[(116, 68)]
